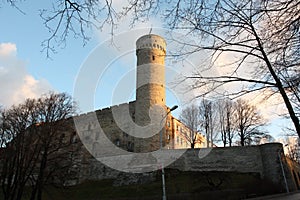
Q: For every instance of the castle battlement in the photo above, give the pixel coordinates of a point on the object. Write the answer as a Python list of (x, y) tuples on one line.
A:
[(151, 41)]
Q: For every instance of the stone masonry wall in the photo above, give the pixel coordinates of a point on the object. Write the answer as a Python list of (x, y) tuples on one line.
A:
[(262, 159), (234, 159)]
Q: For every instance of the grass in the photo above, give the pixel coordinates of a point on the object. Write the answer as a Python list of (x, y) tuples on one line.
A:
[(179, 185)]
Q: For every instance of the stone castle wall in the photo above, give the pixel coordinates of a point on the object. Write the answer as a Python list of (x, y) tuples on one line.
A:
[(94, 127), (262, 160), (108, 132)]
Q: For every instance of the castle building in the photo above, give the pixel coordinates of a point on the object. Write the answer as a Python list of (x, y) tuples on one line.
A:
[(142, 125), (136, 127)]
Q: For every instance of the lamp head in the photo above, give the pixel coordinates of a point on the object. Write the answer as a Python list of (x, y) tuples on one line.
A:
[(174, 108)]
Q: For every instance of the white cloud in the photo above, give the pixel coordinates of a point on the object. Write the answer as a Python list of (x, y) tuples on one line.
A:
[(16, 84), (7, 49), (269, 104), (270, 108)]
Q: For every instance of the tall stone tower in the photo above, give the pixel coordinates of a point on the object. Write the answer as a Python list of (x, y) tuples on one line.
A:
[(150, 84)]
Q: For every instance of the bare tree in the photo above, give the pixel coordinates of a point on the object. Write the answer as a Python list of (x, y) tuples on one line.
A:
[(38, 149), (263, 34), (254, 30), (208, 120), (3, 137), (266, 138), (67, 18), (248, 122), (190, 116), (205, 119), (294, 152), (17, 158), (52, 112), (291, 147), (227, 125)]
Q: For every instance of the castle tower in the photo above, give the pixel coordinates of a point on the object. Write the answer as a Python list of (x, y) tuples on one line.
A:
[(150, 84)]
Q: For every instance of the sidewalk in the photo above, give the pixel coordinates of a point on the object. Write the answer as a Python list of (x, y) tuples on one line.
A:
[(283, 196)]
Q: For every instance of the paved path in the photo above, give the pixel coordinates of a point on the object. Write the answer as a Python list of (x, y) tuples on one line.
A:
[(291, 196)]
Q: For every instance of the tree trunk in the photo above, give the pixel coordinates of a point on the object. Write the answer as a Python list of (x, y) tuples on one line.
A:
[(37, 191), (207, 136), (229, 138), (211, 136), (279, 85), (242, 138), (224, 138)]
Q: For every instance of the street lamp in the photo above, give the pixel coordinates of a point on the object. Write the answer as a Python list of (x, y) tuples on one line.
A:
[(161, 147), (282, 169)]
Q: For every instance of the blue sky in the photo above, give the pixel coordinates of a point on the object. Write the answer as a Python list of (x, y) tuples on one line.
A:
[(27, 32), (25, 71), (21, 36)]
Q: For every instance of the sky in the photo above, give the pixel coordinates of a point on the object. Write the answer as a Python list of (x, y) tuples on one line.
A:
[(97, 75)]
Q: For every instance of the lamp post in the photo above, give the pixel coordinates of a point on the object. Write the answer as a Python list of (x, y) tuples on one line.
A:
[(161, 147), (282, 169)]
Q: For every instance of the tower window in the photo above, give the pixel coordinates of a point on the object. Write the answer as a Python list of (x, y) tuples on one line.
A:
[(153, 57), (117, 142)]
